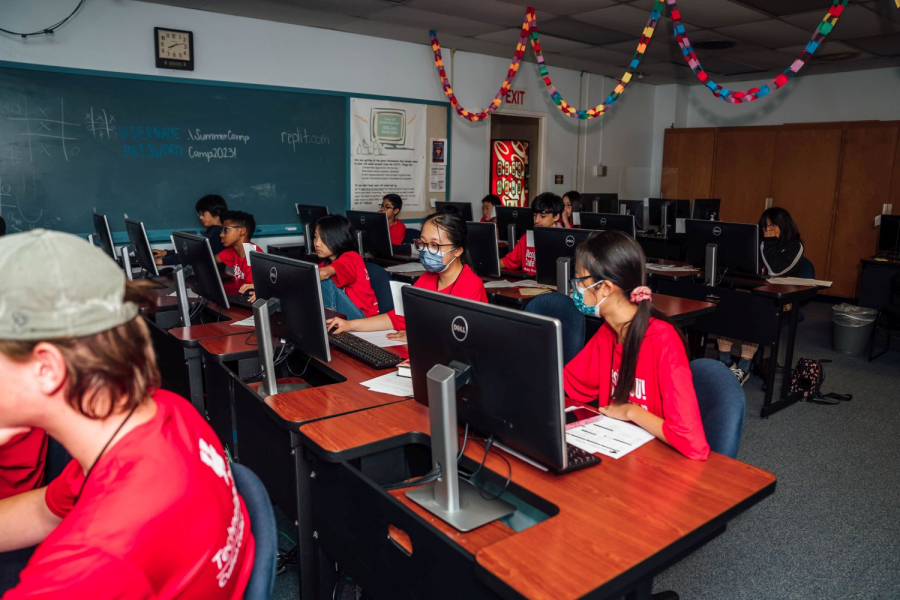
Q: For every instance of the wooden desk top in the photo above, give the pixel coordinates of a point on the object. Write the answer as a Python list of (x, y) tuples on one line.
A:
[(614, 519), (881, 262), (210, 330)]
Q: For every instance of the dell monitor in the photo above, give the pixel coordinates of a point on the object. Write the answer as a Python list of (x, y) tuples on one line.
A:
[(738, 245), (552, 243), (634, 208), (609, 222), (376, 234), (706, 209), (195, 252), (520, 216), (309, 214), (141, 244), (104, 236), (889, 235), (675, 209), (600, 203), (484, 257), (464, 209)]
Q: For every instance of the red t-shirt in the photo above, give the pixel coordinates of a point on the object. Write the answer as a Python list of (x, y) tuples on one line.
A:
[(522, 256), (159, 517), (22, 462), (242, 272), (398, 232), (663, 382), (351, 275), (468, 285)]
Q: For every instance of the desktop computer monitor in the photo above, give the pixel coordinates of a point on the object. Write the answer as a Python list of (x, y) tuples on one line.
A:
[(889, 234), (137, 235), (738, 245), (299, 317), (484, 256), (706, 209), (636, 209), (520, 216), (375, 230), (464, 208), (194, 251), (551, 243), (600, 203), (608, 222), (104, 236), (495, 345), (675, 209), (310, 215)]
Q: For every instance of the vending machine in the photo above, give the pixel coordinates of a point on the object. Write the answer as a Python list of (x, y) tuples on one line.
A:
[(509, 171)]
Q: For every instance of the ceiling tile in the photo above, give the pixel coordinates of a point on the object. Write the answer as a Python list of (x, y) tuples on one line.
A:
[(721, 66), (581, 64), (709, 35), (717, 13), (830, 47), (855, 22), (489, 11), (393, 31), (626, 18), (604, 55), (788, 7), (882, 45), (771, 34), (548, 42), (353, 8), (764, 59), (282, 13), (425, 20), (560, 7), (468, 44), (673, 70), (582, 32), (661, 49)]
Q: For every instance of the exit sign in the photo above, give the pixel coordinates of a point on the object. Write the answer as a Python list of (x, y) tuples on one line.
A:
[(515, 97)]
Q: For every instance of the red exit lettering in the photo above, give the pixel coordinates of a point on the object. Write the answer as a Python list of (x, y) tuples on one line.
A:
[(515, 97)]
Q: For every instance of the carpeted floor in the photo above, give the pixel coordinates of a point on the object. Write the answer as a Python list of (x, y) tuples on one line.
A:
[(832, 528)]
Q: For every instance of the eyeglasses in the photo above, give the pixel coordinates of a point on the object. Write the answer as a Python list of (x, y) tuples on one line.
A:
[(575, 280), (386, 207), (226, 228), (432, 247)]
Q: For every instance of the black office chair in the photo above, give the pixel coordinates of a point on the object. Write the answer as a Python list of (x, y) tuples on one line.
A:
[(888, 319), (381, 285), (265, 533), (806, 269), (561, 307), (411, 235)]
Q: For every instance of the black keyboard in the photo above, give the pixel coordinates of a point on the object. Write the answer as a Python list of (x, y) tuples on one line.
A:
[(578, 459), (367, 352), (240, 300)]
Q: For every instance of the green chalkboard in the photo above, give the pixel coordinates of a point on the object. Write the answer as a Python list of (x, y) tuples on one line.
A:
[(72, 144)]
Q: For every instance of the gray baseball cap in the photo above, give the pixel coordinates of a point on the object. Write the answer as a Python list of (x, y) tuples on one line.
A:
[(55, 285)]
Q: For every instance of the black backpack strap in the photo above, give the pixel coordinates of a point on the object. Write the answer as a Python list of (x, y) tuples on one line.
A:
[(830, 399)]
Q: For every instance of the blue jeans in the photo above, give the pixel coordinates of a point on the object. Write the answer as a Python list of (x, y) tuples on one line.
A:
[(337, 300), (722, 405)]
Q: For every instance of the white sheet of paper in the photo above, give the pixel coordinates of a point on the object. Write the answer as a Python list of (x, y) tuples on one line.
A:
[(379, 338), (607, 436), (798, 281), (248, 322), (391, 384), (576, 218), (396, 286), (493, 212), (407, 267)]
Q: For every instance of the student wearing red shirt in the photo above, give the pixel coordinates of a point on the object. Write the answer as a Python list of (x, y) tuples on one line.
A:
[(571, 207), (547, 209), (442, 251), (488, 215), (237, 229), (148, 507), (636, 364), (346, 287), (391, 205)]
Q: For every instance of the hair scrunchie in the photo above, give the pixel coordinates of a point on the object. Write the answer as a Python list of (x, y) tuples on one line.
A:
[(640, 293)]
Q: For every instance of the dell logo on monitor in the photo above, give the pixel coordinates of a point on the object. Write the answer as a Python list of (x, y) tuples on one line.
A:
[(717, 231), (459, 328), (273, 275), (515, 214), (602, 222), (570, 241), (184, 245), (362, 220)]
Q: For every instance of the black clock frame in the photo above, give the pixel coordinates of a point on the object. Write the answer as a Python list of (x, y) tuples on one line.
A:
[(168, 63)]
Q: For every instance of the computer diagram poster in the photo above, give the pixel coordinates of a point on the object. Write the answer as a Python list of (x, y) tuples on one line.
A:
[(388, 153)]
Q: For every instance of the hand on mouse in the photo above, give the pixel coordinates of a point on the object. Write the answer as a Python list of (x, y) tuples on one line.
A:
[(249, 290)]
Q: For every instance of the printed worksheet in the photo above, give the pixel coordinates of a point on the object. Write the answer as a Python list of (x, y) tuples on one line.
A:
[(607, 436)]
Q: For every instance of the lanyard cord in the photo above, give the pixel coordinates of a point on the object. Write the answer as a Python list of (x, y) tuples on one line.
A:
[(108, 442)]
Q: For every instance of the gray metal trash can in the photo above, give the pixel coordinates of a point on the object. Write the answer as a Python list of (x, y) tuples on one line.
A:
[(852, 328)]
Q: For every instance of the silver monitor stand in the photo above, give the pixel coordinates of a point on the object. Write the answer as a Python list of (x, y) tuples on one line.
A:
[(262, 309)]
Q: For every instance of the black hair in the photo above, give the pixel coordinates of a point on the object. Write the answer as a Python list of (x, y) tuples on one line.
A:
[(781, 218), (617, 258), (242, 219), (575, 198), (2, 226), (336, 232), (394, 199), (454, 227), (547, 202), (494, 199), (213, 204)]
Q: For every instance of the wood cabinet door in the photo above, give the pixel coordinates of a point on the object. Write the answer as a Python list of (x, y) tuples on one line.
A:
[(743, 171), (804, 182), (867, 163), (688, 157)]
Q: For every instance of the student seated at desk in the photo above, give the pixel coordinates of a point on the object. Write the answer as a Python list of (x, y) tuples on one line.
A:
[(571, 205), (209, 210), (781, 251), (636, 364), (391, 205), (346, 287), (488, 215), (237, 229), (442, 252), (547, 209), (147, 507)]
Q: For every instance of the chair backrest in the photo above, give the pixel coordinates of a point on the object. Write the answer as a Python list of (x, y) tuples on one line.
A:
[(265, 533), (806, 269), (411, 235), (381, 285), (563, 308), (722, 405)]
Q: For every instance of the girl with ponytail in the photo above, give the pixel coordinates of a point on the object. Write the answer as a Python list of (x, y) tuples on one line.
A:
[(636, 364)]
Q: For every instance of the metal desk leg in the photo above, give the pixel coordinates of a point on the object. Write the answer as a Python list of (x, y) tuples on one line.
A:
[(306, 552), (194, 362), (642, 591), (784, 401), (770, 377), (789, 353)]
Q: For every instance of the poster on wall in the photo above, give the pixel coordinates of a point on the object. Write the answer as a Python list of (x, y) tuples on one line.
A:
[(387, 153), (509, 171)]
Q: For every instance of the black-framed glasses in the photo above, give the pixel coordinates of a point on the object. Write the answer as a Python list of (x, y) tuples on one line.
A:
[(432, 247), (383, 206), (227, 227)]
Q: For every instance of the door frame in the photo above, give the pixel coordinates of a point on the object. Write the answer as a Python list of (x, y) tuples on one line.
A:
[(540, 155)]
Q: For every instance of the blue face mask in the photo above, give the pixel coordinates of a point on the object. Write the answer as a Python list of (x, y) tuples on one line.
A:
[(578, 298), (434, 263)]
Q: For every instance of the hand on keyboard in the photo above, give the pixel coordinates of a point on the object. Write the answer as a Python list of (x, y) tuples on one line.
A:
[(249, 292)]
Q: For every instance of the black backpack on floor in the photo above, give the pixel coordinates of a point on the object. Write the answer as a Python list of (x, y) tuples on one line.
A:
[(806, 383)]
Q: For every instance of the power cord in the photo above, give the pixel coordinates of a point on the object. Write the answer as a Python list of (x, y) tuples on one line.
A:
[(47, 30)]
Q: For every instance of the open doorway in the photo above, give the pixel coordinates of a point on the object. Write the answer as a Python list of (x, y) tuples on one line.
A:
[(516, 157)]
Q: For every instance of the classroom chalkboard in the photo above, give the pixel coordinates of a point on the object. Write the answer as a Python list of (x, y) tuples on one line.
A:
[(72, 144)]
